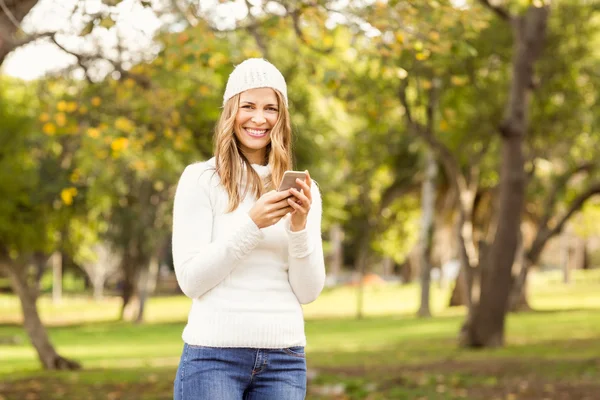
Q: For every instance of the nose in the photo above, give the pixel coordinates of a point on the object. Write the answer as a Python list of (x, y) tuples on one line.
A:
[(258, 118)]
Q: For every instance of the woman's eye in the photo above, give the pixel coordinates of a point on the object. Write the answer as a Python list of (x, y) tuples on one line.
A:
[(272, 109)]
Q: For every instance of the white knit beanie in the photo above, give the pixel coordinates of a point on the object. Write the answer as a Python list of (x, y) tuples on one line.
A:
[(255, 73)]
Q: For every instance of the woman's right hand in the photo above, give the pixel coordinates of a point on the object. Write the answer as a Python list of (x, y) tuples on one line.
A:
[(270, 208)]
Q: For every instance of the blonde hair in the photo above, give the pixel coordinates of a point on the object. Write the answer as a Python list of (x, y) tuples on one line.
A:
[(230, 162)]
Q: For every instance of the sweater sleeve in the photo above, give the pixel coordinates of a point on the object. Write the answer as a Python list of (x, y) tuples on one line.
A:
[(305, 252), (200, 263)]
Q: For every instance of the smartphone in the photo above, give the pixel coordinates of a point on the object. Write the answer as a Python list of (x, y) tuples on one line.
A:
[(289, 180)]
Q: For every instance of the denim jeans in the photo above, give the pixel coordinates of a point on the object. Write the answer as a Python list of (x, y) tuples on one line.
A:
[(215, 373)]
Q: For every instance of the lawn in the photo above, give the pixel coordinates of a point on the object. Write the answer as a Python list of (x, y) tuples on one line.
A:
[(551, 353)]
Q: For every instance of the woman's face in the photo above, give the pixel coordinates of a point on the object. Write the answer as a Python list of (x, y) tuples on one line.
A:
[(257, 114)]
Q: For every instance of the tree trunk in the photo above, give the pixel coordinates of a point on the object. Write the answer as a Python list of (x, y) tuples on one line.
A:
[(361, 267), (428, 196), (57, 277), (459, 296), (518, 295), (17, 10), (337, 256), (463, 292), (32, 323), (147, 286), (517, 299), (484, 326)]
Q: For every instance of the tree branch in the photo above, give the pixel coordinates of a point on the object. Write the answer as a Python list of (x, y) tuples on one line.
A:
[(448, 161), (295, 15), (544, 233), (399, 187), (559, 185), (575, 206), (252, 29), (499, 11), (84, 60)]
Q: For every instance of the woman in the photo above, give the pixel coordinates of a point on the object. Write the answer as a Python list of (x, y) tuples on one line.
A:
[(248, 256)]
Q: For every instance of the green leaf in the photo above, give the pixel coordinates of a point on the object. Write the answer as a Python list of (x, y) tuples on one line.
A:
[(87, 29), (107, 22)]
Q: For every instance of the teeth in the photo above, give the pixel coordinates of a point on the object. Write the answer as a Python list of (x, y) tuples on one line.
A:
[(256, 132)]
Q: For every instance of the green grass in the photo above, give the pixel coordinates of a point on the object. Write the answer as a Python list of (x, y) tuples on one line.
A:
[(552, 351)]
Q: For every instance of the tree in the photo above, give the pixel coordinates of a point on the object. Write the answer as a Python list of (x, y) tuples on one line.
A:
[(12, 13), (484, 326), (30, 213)]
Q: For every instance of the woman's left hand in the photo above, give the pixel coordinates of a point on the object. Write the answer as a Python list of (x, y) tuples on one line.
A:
[(300, 201)]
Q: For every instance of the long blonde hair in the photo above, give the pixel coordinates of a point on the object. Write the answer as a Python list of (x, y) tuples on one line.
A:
[(230, 162)]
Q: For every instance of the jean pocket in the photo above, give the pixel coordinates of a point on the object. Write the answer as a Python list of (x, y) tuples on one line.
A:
[(296, 351)]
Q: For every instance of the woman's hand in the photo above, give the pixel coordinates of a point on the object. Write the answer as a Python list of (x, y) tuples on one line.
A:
[(301, 202), (270, 208)]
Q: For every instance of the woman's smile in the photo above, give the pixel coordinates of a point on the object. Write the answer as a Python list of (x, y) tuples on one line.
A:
[(257, 133)]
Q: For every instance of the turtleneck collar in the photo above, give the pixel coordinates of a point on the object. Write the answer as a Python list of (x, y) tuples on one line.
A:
[(264, 171)]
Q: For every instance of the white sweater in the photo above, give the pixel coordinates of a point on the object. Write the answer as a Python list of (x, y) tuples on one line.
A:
[(246, 284)]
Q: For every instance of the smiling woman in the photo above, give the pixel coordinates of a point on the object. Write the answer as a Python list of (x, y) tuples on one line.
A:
[(257, 115), (247, 255)]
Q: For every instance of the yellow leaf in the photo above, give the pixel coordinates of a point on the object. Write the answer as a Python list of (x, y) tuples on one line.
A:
[(71, 106), (49, 128), (83, 110), (150, 136), (96, 101), (421, 56), (139, 165), (101, 154), (399, 37), (426, 84), (129, 83), (458, 80), (93, 132), (119, 144), (204, 90), (44, 117), (443, 125), (75, 176), (61, 119), (61, 106), (435, 36), (169, 132), (124, 124), (67, 195), (175, 117)]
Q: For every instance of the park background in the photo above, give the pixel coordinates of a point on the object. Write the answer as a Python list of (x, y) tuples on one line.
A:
[(456, 145)]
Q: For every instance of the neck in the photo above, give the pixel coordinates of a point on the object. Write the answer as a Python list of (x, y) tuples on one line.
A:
[(256, 156)]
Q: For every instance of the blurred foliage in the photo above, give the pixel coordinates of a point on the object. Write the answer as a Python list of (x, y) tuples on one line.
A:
[(90, 160)]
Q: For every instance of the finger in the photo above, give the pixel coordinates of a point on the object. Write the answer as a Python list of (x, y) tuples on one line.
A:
[(308, 179), (281, 212), (305, 188), (304, 198), (279, 196), (281, 204), (301, 208)]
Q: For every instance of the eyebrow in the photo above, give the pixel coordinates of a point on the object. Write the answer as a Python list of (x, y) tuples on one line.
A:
[(250, 102)]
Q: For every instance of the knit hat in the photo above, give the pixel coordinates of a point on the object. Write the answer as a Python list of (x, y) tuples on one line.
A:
[(255, 73)]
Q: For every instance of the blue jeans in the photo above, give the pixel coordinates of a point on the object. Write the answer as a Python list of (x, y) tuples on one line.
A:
[(215, 373)]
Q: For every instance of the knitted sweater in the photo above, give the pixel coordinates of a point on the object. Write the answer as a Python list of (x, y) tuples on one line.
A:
[(246, 284)]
